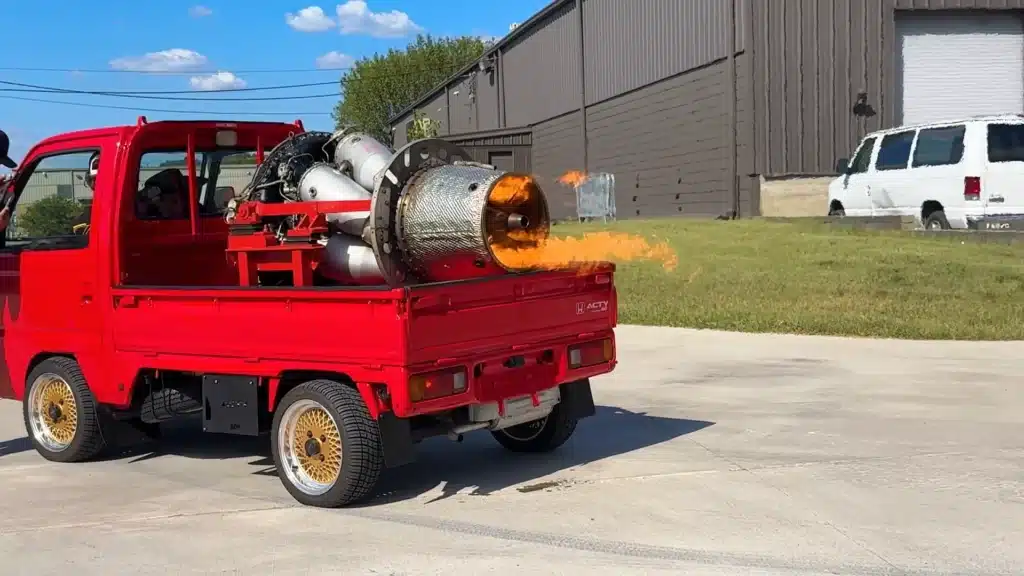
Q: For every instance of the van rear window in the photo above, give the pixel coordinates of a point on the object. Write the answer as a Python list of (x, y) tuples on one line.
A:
[(1006, 142)]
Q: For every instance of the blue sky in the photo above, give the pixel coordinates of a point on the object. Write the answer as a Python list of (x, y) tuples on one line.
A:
[(209, 45)]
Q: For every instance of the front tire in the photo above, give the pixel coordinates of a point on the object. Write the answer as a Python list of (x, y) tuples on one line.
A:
[(325, 445), (543, 435), (61, 413)]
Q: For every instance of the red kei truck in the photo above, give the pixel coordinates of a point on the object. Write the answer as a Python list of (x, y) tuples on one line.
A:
[(133, 321)]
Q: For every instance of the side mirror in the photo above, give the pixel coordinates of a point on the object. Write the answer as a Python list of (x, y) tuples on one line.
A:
[(223, 195), (5, 148), (843, 166)]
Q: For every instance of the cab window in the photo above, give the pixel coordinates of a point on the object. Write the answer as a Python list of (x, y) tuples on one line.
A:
[(163, 182), (53, 203), (863, 158), (894, 152)]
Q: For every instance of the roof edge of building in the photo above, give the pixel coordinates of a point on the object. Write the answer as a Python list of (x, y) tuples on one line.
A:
[(504, 41)]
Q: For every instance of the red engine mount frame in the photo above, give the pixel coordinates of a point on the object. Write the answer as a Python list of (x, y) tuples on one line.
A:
[(260, 249)]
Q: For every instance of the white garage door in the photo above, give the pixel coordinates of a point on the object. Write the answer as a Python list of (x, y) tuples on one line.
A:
[(957, 64)]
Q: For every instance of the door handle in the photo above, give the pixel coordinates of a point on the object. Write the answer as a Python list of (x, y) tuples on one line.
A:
[(126, 302), (996, 199)]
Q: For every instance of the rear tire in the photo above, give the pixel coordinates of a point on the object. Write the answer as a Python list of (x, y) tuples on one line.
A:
[(61, 414), (325, 445), (936, 221), (837, 211), (542, 435)]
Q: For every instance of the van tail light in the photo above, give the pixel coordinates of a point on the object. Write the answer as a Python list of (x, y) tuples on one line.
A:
[(591, 353), (437, 384), (972, 188)]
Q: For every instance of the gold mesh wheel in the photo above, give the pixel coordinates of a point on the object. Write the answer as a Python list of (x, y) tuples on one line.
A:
[(310, 446), (53, 412)]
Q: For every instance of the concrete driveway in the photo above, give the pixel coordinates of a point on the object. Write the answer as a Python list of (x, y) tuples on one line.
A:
[(712, 453)]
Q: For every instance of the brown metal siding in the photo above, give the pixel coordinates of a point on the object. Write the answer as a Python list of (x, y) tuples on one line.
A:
[(667, 144), (635, 43), (461, 108), (956, 4), (399, 136), (487, 100), (541, 74), (436, 109), (811, 59), (557, 150)]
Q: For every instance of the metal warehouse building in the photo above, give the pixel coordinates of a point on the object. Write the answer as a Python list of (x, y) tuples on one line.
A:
[(705, 107)]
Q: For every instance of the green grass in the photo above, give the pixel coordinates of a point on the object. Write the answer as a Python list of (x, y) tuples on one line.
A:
[(759, 276)]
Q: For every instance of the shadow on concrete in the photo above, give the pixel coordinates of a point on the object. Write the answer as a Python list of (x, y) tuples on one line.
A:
[(8, 447), (478, 464)]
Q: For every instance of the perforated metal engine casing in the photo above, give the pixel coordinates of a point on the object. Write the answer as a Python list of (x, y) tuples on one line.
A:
[(441, 216)]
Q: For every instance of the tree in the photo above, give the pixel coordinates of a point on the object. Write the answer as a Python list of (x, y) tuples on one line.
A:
[(377, 87), (51, 216), (422, 126)]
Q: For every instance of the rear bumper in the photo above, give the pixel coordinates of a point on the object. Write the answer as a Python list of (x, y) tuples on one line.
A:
[(545, 365), (996, 222)]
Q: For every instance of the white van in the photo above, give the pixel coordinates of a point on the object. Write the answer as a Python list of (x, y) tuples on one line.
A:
[(957, 174)]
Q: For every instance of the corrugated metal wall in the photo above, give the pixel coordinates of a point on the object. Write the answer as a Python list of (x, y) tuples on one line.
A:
[(541, 73), (812, 58), (632, 44), (557, 150), (668, 144)]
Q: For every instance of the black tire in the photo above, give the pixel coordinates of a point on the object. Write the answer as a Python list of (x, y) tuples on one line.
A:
[(936, 221), (837, 211), (542, 435), (361, 451), (87, 440)]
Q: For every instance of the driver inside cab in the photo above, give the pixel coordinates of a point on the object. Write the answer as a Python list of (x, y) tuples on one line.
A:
[(163, 196), (80, 225)]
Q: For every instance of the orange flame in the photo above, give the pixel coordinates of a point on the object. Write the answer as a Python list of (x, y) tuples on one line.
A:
[(572, 178), (584, 253), (532, 248)]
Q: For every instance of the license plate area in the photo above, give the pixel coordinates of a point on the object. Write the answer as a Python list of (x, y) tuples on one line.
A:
[(519, 408)]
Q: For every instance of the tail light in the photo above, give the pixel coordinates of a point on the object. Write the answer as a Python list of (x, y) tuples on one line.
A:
[(437, 384), (972, 188), (591, 353)]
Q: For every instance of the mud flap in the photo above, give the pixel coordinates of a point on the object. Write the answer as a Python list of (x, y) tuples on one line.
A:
[(577, 399), (396, 440)]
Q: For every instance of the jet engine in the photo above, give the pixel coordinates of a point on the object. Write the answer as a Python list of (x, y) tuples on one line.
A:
[(434, 214)]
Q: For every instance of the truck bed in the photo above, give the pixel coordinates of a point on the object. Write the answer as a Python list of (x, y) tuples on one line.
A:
[(260, 331)]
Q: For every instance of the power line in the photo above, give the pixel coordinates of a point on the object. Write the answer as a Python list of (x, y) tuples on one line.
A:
[(162, 110), (179, 98), (44, 88), (169, 72), (55, 90)]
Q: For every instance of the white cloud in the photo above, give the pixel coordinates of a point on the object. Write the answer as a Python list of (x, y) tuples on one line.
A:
[(173, 60), (355, 17), (216, 81), (335, 59), (311, 19), (199, 11)]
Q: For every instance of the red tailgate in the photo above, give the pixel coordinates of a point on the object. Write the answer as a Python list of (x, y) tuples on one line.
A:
[(448, 321)]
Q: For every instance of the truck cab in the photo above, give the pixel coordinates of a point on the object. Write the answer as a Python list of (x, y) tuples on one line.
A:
[(122, 309)]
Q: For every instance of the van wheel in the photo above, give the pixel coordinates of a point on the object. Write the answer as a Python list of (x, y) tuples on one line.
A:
[(325, 445), (837, 211), (936, 221), (61, 414), (543, 435)]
